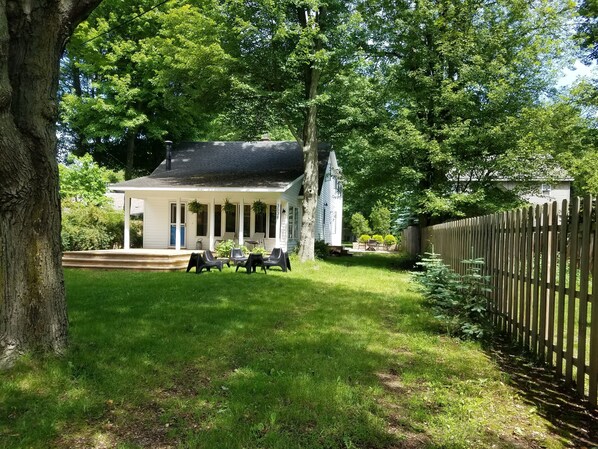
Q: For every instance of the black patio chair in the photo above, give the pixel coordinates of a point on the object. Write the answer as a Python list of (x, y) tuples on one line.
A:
[(236, 256), (200, 264), (278, 258), (212, 261)]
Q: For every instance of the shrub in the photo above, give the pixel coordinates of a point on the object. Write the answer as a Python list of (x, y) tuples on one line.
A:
[(380, 219), (223, 248), (378, 238), (458, 301), (389, 240), (321, 250), (359, 224), (93, 227), (364, 238)]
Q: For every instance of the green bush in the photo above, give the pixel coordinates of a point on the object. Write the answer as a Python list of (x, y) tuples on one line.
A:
[(359, 224), (364, 238), (380, 219), (321, 250), (95, 227), (389, 240), (458, 301), (378, 238), (223, 248)]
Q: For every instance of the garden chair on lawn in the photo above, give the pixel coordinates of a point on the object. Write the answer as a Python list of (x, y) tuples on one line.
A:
[(200, 264), (236, 256), (278, 258), (210, 259)]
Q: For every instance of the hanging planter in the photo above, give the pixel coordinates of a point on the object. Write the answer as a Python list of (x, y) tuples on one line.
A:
[(229, 207), (196, 207), (258, 207)]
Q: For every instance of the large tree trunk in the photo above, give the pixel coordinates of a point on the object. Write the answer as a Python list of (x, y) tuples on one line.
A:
[(310, 148), (310, 179), (32, 299)]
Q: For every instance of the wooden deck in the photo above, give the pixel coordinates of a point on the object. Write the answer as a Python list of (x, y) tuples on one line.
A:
[(132, 259)]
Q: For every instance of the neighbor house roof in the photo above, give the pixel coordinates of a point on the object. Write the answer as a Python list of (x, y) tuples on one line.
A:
[(244, 166)]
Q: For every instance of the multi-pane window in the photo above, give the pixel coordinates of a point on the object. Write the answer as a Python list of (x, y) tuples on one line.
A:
[(217, 220), (231, 221), (272, 222), (246, 221), (293, 223), (260, 222), (202, 222)]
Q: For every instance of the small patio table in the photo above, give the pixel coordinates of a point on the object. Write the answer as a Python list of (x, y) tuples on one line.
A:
[(252, 262)]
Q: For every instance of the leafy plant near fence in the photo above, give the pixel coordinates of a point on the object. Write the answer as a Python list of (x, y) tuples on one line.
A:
[(458, 301)]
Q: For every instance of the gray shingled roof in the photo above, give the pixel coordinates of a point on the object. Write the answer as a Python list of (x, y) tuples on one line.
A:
[(263, 164)]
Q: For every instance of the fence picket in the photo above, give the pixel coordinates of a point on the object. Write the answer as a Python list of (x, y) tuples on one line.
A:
[(593, 373), (560, 338), (570, 331), (584, 277), (552, 281), (543, 288)]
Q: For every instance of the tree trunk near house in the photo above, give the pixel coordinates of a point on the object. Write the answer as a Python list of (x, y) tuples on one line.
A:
[(32, 303), (310, 154), (131, 136)]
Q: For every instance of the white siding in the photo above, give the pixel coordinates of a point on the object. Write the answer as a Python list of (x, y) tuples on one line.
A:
[(155, 223), (329, 212)]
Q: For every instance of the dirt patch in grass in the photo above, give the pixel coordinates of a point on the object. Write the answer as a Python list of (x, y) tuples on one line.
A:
[(558, 403)]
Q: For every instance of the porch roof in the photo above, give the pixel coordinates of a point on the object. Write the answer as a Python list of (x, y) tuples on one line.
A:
[(228, 166)]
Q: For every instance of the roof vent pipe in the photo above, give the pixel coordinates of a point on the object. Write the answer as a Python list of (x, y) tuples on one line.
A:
[(168, 154)]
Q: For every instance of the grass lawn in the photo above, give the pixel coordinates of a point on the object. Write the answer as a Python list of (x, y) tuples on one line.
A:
[(337, 354)]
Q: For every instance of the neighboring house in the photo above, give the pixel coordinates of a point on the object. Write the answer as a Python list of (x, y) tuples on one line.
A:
[(548, 191), (118, 202), (240, 173)]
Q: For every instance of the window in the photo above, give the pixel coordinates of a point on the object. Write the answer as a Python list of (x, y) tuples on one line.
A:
[(272, 222), (293, 223), (246, 221), (545, 190), (202, 222), (217, 220), (231, 221), (260, 222)]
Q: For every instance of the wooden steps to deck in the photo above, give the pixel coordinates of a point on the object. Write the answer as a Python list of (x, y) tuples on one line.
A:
[(141, 260)]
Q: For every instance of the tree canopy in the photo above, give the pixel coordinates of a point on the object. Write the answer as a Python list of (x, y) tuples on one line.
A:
[(134, 75)]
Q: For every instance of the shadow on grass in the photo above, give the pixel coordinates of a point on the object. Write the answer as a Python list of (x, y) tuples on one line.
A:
[(227, 360), (570, 417), (393, 261)]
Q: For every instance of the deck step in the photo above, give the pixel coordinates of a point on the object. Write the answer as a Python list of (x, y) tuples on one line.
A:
[(126, 260)]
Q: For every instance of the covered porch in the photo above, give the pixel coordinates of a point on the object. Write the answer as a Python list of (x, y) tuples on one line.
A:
[(199, 220)]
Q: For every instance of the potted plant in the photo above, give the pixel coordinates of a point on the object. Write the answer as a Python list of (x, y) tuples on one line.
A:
[(229, 207), (258, 207), (196, 207)]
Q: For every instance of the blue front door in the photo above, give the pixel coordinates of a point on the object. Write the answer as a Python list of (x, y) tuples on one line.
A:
[(173, 224)]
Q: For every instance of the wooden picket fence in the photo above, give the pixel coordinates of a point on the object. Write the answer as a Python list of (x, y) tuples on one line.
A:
[(542, 260)]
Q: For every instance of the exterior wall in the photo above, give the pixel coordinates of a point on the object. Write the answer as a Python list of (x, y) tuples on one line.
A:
[(329, 212), (558, 191), (291, 199), (155, 223)]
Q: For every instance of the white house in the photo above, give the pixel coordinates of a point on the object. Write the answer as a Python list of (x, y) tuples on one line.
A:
[(238, 173)]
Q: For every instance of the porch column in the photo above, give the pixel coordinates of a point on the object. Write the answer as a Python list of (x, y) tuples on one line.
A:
[(278, 221), (127, 234), (211, 221), (177, 231), (241, 221)]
